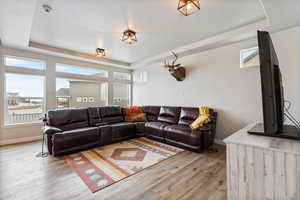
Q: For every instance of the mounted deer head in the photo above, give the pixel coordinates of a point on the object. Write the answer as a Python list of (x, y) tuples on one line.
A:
[(175, 70)]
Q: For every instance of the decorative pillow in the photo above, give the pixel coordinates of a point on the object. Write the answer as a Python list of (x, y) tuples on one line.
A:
[(136, 117), (203, 118), (133, 110), (135, 113)]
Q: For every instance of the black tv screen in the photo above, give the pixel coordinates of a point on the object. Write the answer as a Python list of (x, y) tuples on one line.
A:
[(271, 85), (272, 94)]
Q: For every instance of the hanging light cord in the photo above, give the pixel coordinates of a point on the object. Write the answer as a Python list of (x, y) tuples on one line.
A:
[(287, 114)]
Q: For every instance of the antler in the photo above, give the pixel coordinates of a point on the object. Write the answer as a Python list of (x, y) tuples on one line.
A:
[(176, 57), (173, 62), (166, 64)]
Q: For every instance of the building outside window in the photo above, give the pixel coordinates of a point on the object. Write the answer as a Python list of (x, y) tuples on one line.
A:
[(71, 93), (121, 94), (24, 98)]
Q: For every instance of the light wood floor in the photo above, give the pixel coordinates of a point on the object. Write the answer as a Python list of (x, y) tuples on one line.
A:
[(185, 176)]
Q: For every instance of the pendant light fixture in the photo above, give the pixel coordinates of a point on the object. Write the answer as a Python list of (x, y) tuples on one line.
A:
[(188, 7), (100, 52), (129, 36)]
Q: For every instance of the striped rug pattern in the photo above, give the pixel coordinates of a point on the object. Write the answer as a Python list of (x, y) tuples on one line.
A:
[(103, 166)]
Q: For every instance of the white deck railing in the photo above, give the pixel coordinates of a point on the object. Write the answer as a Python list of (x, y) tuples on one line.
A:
[(23, 118)]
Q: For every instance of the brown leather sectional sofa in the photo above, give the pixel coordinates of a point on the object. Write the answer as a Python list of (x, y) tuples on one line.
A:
[(78, 129)]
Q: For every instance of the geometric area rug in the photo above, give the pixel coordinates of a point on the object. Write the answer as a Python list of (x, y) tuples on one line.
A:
[(103, 166)]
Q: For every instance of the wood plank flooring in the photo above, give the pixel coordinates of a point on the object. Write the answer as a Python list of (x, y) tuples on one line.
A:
[(185, 176)]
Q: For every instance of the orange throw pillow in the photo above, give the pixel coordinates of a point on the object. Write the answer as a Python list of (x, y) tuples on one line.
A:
[(133, 110), (136, 117), (135, 113)]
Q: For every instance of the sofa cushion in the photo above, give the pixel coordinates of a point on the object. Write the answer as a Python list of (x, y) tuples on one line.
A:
[(105, 134), (188, 115), (94, 116), (178, 129), (140, 128), (169, 114), (111, 114), (74, 139), (155, 129), (152, 112), (182, 134), (157, 125), (68, 119), (122, 130)]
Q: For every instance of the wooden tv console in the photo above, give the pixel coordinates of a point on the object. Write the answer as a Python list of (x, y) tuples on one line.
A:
[(260, 167)]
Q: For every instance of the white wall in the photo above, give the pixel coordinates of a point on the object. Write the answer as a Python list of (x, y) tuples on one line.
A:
[(25, 132), (214, 78)]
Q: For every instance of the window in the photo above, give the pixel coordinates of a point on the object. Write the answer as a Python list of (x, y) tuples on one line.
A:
[(81, 71), (140, 77), (24, 63), (72, 93), (76, 87), (249, 57), (121, 94), (24, 103), (121, 76)]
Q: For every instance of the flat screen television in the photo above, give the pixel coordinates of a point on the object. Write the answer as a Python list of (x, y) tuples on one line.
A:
[(272, 93)]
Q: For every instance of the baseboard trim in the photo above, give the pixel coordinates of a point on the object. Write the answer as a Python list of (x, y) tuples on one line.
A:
[(35, 138), (20, 140)]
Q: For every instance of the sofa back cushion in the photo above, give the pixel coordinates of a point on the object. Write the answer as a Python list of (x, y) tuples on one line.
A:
[(151, 112), (68, 119), (169, 114), (111, 114), (94, 116), (188, 115)]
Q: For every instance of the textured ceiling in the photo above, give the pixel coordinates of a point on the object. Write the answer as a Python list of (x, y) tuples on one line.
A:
[(84, 25)]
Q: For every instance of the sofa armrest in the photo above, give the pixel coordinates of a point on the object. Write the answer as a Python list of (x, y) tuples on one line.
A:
[(206, 127), (207, 134), (50, 130)]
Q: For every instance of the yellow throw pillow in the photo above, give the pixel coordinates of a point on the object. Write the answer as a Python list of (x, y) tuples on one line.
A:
[(202, 119)]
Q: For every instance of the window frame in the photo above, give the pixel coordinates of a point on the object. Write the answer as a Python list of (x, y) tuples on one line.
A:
[(80, 75), (130, 92), (50, 75), (120, 79), (5, 124), (23, 68), (242, 66)]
